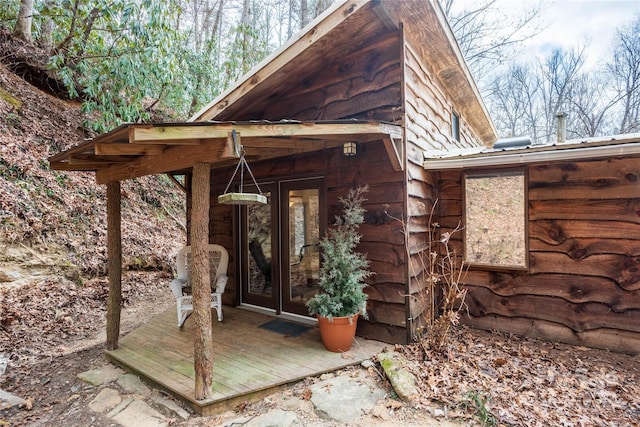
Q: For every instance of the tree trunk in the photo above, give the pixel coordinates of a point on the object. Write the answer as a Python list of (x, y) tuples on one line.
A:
[(46, 35), (114, 264), (22, 29), (200, 281)]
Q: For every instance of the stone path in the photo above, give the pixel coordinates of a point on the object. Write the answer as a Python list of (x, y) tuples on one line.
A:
[(128, 401), (351, 397), (125, 399)]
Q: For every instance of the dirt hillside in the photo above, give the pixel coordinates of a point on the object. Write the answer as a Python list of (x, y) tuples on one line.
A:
[(53, 230)]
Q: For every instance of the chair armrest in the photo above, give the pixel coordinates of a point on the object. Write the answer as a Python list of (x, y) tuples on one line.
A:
[(221, 283), (176, 287)]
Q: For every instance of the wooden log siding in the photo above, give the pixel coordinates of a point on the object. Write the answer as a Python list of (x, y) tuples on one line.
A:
[(583, 285), (363, 82), (428, 111), (382, 238), (427, 126)]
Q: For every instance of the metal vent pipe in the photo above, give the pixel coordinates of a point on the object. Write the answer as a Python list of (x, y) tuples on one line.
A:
[(562, 127)]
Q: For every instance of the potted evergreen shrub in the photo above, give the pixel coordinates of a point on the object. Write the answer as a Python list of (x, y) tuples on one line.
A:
[(342, 273)]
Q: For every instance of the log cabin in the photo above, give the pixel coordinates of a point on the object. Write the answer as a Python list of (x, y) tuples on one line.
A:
[(378, 93)]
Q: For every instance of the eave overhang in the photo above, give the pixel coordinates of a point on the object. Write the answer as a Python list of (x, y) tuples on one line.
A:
[(574, 150), (135, 150)]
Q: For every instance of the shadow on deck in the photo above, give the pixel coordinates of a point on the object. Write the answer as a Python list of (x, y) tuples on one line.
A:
[(248, 362)]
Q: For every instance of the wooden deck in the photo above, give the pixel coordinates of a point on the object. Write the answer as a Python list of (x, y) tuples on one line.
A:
[(249, 362)]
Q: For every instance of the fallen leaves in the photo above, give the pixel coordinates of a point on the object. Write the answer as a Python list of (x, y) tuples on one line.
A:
[(530, 383), (44, 318)]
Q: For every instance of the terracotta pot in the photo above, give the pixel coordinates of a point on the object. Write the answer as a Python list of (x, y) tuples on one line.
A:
[(337, 334)]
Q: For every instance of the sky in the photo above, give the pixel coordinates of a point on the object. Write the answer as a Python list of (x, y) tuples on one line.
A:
[(572, 22)]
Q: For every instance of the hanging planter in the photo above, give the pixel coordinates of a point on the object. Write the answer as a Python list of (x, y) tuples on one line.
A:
[(242, 198)]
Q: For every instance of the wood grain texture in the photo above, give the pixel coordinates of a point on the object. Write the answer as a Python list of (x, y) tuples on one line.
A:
[(248, 361), (583, 284), (200, 281), (114, 268)]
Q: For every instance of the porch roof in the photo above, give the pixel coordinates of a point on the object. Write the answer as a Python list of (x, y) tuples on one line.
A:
[(134, 150)]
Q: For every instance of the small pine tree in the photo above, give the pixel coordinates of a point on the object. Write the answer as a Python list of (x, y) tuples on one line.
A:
[(343, 269)]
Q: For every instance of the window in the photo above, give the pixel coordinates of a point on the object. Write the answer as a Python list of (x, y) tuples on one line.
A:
[(495, 219), (455, 126)]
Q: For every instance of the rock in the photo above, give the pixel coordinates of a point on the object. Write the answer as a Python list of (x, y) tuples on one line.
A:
[(4, 362), (101, 376), (171, 406), (139, 414), (8, 276), (345, 398), (275, 417), (367, 364), (121, 407), (132, 384), (108, 398), (291, 404), (402, 381), (8, 400)]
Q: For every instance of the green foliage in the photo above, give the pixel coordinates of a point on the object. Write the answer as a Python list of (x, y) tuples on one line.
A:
[(8, 13), (114, 55), (343, 269), (477, 402)]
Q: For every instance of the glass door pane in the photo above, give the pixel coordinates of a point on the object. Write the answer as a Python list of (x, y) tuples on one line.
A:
[(301, 260), (259, 286)]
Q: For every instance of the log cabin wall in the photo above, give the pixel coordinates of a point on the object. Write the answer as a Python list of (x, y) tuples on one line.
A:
[(583, 282), (359, 80), (382, 240), (428, 126), (364, 83)]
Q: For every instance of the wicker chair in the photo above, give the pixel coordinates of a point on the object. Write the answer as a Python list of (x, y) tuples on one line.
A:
[(181, 286)]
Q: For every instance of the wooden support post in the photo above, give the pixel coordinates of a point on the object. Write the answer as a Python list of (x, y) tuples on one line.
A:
[(200, 281), (114, 264)]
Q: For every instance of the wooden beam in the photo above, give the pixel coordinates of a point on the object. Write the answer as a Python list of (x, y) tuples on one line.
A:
[(325, 24), (66, 166), (381, 12), (90, 159), (394, 151), (177, 183), (160, 134), (171, 159), (201, 281), (304, 144), (101, 149), (114, 264)]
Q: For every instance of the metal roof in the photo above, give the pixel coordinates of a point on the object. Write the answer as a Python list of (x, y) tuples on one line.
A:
[(576, 149)]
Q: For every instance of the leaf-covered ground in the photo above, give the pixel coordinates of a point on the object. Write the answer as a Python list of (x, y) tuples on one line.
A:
[(53, 331), (65, 212), (511, 380)]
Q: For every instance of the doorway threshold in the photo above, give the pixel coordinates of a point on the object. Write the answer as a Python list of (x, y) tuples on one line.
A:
[(293, 317)]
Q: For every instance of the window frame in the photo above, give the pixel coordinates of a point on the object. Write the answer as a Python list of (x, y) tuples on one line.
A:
[(497, 172), (455, 125)]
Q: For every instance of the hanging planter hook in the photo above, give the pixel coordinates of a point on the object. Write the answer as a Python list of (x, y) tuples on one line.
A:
[(241, 198)]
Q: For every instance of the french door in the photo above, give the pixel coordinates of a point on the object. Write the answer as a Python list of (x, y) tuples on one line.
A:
[(280, 255)]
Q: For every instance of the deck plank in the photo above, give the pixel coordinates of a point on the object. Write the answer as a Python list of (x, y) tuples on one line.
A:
[(247, 360)]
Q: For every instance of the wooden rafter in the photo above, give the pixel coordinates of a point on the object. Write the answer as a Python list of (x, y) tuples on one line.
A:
[(310, 36), (103, 149), (143, 149), (345, 130), (171, 159)]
